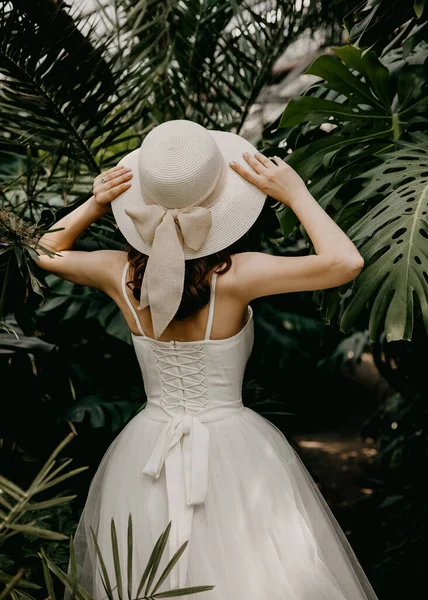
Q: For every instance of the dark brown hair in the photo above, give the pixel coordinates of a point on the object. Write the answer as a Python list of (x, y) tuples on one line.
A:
[(196, 291)]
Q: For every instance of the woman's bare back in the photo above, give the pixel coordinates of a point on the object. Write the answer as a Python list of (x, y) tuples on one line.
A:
[(228, 319)]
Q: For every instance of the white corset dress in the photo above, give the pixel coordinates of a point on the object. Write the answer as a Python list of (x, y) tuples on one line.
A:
[(256, 524)]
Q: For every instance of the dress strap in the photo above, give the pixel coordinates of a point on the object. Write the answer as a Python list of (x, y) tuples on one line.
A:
[(125, 293), (211, 309)]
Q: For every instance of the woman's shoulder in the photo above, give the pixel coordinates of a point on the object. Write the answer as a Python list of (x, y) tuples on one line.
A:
[(233, 281), (118, 258), (242, 262)]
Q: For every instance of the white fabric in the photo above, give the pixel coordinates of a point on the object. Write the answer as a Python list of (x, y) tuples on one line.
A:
[(211, 306), (257, 525), (128, 301)]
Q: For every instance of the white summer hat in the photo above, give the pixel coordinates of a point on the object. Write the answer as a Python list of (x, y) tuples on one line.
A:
[(185, 201)]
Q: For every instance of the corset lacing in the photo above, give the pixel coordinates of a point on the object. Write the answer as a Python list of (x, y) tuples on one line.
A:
[(183, 378)]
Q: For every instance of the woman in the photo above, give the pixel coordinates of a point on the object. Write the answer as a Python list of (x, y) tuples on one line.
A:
[(224, 476)]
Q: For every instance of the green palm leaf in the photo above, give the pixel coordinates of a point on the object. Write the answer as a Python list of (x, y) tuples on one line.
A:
[(375, 22), (116, 560), (103, 569), (209, 60), (130, 552), (48, 580), (66, 580), (70, 580), (367, 105), (154, 560), (47, 101)]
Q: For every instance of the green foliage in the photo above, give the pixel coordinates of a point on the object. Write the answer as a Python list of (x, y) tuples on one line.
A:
[(396, 512), (51, 106), (18, 502), (23, 550), (174, 54), (71, 302), (101, 411), (50, 381), (21, 515), (75, 103), (298, 373), (71, 582), (347, 353), (18, 248), (393, 236), (375, 23), (371, 176), (369, 179)]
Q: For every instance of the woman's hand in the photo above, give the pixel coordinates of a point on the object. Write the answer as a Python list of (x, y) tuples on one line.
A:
[(109, 184), (273, 176)]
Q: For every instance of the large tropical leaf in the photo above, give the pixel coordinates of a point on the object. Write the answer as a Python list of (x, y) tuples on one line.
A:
[(102, 411), (368, 108), (355, 99), (368, 112), (393, 239)]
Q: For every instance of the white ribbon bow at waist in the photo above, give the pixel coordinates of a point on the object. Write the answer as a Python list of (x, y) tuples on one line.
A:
[(186, 470)]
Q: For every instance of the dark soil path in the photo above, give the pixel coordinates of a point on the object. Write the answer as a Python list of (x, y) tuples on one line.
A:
[(338, 463)]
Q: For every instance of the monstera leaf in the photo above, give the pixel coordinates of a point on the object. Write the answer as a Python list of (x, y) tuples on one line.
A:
[(349, 139), (102, 411), (369, 107), (367, 110), (393, 238)]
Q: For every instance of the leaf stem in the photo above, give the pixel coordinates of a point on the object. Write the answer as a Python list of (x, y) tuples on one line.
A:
[(396, 129)]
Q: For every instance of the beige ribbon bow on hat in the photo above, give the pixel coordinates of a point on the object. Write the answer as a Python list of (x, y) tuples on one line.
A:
[(167, 230)]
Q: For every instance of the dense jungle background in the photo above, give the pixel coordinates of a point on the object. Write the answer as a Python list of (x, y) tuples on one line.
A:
[(341, 372)]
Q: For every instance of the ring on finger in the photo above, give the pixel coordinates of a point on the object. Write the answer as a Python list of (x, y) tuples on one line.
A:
[(103, 180)]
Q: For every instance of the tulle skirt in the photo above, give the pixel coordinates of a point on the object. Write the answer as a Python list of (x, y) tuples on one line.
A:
[(264, 532)]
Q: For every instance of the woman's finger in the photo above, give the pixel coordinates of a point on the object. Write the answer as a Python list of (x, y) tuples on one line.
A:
[(116, 167), (263, 159), (114, 192), (113, 170), (105, 181), (251, 160), (120, 178), (101, 190), (245, 173), (107, 175)]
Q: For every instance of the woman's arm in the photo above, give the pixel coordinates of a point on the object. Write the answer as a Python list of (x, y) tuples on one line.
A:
[(86, 268), (336, 261)]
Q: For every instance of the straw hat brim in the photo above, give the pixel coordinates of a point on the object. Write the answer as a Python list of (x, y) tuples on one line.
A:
[(233, 214)]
